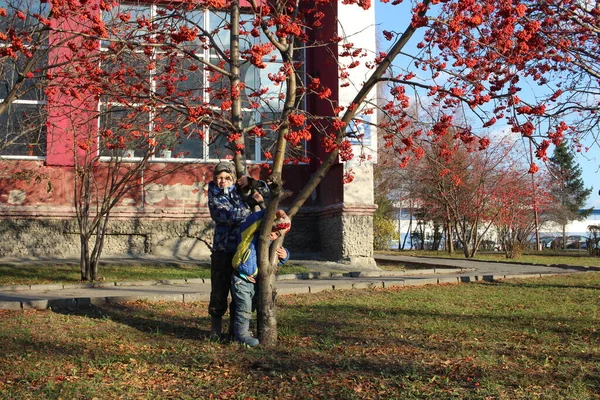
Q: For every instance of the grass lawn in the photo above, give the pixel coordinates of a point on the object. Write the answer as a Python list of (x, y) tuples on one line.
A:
[(517, 339), (40, 273)]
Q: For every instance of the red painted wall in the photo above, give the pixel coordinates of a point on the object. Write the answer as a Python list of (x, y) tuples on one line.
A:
[(320, 64), (41, 188)]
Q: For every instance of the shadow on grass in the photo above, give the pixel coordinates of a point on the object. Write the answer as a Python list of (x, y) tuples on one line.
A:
[(344, 337), (137, 315), (381, 341), (575, 267)]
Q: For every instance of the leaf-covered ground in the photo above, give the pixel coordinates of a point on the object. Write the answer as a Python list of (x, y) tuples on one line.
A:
[(524, 339)]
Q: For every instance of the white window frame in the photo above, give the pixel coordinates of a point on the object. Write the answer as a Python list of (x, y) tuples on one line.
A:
[(24, 156), (26, 102)]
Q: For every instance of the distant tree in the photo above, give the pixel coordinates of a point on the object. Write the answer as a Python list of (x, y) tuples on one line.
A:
[(392, 187), (384, 228), (568, 189), (593, 244), (515, 201), (466, 190)]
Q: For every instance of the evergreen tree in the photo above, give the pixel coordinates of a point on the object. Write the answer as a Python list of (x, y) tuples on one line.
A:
[(568, 189)]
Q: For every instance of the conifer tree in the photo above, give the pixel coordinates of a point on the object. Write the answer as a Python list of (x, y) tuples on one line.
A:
[(568, 189)]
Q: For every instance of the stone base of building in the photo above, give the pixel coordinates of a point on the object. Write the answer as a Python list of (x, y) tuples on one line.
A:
[(340, 233), (56, 238)]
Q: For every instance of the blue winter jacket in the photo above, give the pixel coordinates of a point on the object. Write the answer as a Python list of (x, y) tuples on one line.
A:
[(245, 260), (228, 210)]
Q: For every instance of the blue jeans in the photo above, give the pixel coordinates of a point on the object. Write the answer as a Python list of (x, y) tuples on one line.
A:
[(243, 294)]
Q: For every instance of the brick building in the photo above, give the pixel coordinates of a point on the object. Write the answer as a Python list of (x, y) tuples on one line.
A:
[(169, 215)]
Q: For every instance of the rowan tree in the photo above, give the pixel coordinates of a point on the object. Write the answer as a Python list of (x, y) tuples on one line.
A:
[(462, 190), (24, 62), (142, 60), (520, 203)]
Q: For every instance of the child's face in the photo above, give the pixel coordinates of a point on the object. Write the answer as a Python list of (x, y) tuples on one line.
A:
[(223, 180)]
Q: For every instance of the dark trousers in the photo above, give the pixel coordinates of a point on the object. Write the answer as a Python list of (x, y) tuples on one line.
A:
[(220, 281)]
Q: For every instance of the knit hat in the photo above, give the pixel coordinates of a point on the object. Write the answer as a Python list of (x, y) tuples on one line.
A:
[(282, 223), (223, 166)]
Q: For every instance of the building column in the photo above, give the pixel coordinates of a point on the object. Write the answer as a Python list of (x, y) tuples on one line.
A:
[(346, 228)]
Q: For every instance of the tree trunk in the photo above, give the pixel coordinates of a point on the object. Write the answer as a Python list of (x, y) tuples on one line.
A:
[(99, 242), (407, 233), (450, 231), (84, 261), (400, 230), (235, 79), (466, 250), (266, 313)]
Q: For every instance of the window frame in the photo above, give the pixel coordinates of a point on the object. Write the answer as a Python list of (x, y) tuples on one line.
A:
[(42, 102)]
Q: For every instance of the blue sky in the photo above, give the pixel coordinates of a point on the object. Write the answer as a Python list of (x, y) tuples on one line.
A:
[(389, 17), (591, 175)]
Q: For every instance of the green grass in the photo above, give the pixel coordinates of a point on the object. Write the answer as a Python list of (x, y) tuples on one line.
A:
[(501, 340), (547, 257), (40, 273)]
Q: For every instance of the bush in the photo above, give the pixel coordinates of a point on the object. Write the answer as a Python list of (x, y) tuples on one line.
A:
[(384, 230), (516, 250)]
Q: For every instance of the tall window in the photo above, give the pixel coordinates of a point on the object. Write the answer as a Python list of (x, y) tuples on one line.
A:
[(22, 99), (154, 72), (133, 112)]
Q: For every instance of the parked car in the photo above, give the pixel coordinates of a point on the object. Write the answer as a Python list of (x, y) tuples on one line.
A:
[(573, 242), (577, 242), (489, 245), (546, 241)]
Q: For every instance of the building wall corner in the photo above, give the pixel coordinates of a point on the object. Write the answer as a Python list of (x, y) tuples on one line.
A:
[(346, 233)]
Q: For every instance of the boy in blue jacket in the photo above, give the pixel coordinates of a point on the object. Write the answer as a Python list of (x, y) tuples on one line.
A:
[(228, 209), (245, 270)]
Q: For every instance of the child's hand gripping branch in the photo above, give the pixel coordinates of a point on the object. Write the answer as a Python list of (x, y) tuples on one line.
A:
[(281, 226)]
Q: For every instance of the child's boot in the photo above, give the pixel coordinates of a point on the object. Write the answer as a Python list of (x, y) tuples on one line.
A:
[(215, 328), (241, 331)]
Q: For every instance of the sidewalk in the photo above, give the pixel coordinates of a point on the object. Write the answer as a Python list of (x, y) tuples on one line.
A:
[(325, 276)]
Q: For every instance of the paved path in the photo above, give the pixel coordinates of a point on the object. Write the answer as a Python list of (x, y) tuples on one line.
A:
[(489, 267), (326, 276)]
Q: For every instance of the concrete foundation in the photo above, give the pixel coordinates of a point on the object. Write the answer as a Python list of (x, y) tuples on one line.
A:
[(337, 234)]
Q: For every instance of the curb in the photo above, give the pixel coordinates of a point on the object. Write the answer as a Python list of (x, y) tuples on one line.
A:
[(381, 257)]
